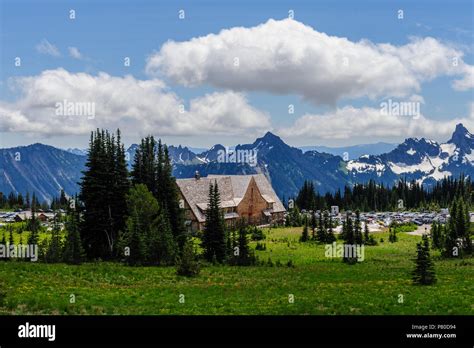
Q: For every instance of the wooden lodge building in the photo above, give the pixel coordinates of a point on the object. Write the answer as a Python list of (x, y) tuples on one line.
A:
[(250, 197)]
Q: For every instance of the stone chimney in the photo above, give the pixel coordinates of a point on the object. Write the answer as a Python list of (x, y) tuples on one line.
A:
[(197, 176)]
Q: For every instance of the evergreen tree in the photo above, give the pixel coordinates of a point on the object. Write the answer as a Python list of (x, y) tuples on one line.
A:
[(358, 229), (305, 234), (171, 200), (73, 252), (350, 251), (463, 226), (148, 235), (163, 248), (295, 217), (214, 231), (144, 169), (245, 256), (63, 201), (33, 224), (424, 273), (121, 187), (321, 232), (330, 233), (20, 201), (188, 265), (288, 220), (103, 193), (135, 240), (368, 238), (343, 233), (152, 167), (366, 232), (54, 246), (392, 235), (313, 225), (436, 235), (306, 198), (456, 237)]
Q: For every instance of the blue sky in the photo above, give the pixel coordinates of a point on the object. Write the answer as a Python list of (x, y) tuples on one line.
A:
[(104, 32)]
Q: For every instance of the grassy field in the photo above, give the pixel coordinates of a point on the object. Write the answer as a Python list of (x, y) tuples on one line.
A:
[(381, 284)]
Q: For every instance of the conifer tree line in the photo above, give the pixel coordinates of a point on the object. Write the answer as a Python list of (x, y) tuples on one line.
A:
[(59, 247), (379, 197), (133, 215), (322, 230), (453, 239), (351, 234), (18, 201)]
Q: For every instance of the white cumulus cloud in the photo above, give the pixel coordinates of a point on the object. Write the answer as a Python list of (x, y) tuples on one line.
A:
[(139, 107), (371, 123), (467, 82), (288, 57)]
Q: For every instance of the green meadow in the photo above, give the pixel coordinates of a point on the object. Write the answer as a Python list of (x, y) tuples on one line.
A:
[(381, 284)]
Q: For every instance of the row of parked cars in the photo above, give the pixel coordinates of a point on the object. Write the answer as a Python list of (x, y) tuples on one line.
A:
[(386, 218)]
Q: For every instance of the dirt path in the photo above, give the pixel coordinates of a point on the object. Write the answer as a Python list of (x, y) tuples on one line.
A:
[(421, 230)]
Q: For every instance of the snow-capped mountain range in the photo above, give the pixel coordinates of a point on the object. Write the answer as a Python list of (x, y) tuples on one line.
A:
[(46, 170), (422, 160)]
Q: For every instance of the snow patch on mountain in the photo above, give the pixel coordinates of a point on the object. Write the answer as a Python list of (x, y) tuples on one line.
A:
[(419, 159), (448, 148), (362, 167)]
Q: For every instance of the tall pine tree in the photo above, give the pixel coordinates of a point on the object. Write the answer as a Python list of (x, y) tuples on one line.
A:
[(103, 195), (214, 230), (73, 252), (424, 273)]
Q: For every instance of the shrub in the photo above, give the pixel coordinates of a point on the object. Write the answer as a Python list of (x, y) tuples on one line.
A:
[(188, 265), (257, 234), (392, 238), (371, 241)]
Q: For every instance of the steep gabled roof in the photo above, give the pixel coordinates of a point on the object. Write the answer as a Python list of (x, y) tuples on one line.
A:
[(232, 189)]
